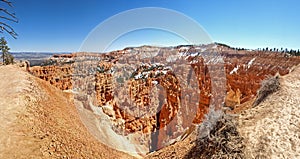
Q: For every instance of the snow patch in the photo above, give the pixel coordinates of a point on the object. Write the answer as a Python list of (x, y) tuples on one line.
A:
[(184, 48), (235, 69), (194, 54), (215, 60), (250, 63), (155, 82)]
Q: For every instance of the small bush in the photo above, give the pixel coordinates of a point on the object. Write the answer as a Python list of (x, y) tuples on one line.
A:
[(218, 138), (268, 87)]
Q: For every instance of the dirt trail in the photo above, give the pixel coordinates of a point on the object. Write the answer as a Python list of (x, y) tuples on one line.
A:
[(13, 86), (40, 121), (272, 129)]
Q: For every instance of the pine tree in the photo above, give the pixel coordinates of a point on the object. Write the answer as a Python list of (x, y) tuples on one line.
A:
[(6, 56)]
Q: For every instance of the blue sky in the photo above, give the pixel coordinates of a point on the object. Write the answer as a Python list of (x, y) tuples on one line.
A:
[(62, 25)]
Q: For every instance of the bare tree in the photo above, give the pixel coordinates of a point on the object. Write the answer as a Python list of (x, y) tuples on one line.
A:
[(6, 17)]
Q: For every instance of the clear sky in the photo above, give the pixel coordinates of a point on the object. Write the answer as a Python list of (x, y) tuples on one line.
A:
[(62, 25)]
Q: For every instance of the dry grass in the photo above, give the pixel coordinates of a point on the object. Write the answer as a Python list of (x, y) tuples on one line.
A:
[(268, 87), (218, 138)]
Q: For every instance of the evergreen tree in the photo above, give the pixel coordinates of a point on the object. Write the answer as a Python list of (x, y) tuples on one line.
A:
[(6, 56), (286, 50)]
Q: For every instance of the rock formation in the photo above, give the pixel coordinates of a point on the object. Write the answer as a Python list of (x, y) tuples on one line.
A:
[(59, 76), (243, 72)]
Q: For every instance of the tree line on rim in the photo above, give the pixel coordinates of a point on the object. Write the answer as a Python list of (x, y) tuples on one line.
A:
[(267, 49)]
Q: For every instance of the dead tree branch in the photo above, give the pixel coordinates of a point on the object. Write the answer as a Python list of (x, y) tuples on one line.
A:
[(7, 16)]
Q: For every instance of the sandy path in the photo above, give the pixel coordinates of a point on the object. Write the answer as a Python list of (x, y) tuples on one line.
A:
[(40, 121), (14, 85), (272, 129)]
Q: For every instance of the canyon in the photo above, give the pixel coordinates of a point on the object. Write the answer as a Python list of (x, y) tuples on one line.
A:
[(161, 92)]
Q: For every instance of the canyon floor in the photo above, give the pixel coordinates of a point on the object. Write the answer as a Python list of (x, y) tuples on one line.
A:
[(40, 121)]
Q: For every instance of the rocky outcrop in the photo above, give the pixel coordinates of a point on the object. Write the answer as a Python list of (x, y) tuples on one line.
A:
[(58, 76), (233, 98)]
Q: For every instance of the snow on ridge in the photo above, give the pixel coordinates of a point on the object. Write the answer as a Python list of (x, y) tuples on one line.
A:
[(250, 63), (145, 74), (235, 69), (194, 61), (200, 49), (193, 54), (155, 82), (215, 60), (164, 72), (138, 76), (181, 54), (184, 48)]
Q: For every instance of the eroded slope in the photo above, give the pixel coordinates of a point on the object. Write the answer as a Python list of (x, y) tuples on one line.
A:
[(40, 121)]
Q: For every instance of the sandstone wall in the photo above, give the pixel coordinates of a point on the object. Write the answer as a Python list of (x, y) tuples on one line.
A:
[(58, 76)]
